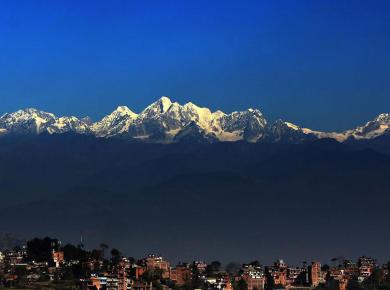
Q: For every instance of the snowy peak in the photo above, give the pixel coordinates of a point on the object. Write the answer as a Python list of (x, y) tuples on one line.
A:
[(161, 106), (121, 112), (287, 132), (33, 121), (115, 123), (249, 125), (163, 120), (124, 111), (69, 124), (193, 133), (383, 119), (87, 120), (164, 103), (30, 113), (377, 127), (27, 121), (201, 116)]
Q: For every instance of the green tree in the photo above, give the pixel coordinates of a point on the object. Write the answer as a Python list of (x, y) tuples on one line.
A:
[(68, 274), (232, 268), (269, 280), (153, 275), (196, 282), (255, 263), (354, 284), (96, 254), (74, 253), (332, 284), (103, 247), (301, 279), (115, 256), (40, 250), (375, 280), (213, 268), (21, 272), (240, 285)]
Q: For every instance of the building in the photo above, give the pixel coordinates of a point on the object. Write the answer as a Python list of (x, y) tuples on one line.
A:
[(181, 274), (139, 271), (124, 282), (279, 272), (221, 283), (253, 276), (315, 274), (94, 282), (351, 269), (157, 262), (293, 273), (58, 258), (366, 265), (254, 282), (105, 282), (15, 257), (201, 266), (366, 261), (337, 273)]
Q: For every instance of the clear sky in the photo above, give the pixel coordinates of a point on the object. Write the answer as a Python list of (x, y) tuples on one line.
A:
[(322, 64)]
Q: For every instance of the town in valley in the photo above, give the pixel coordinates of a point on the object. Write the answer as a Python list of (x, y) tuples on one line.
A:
[(48, 264)]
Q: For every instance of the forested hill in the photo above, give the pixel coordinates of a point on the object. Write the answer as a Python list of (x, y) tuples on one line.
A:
[(234, 201)]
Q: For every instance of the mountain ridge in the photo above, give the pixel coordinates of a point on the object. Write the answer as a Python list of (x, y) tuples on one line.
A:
[(165, 121)]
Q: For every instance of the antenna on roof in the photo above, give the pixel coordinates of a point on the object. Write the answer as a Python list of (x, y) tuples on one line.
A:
[(81, 245)]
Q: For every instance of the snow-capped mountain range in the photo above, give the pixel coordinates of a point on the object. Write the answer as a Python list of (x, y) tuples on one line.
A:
[(165, 121)]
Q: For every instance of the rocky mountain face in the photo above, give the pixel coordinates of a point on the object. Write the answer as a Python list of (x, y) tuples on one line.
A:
[(115, 123), (165, 121), (31, 121), (286, 132), (375, 128), (380, 126), (28, 121)]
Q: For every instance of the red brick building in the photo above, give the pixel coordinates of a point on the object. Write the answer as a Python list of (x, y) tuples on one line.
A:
[(315, 274), (181, 274), (157, 262)]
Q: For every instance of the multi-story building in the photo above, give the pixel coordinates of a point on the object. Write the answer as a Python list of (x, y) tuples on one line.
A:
[(253, 276), (181, 274), (315, 274), (139, 270), (366, 261), (105, 282), (221, 283), (94, 282), (157, 262), (254, 282), (337, 273), (366, 265), (351, 269), (201, 266), (343, 282), (123, 269), (15, 257), (58, 258), (293, 273), (279, 272)]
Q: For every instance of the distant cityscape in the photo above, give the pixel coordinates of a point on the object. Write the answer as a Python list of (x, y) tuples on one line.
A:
[(47, 264)]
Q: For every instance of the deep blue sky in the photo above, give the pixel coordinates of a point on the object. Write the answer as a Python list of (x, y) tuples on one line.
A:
[(321, 64)]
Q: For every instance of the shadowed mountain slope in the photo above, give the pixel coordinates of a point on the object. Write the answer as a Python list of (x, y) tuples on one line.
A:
[(231, 201)]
